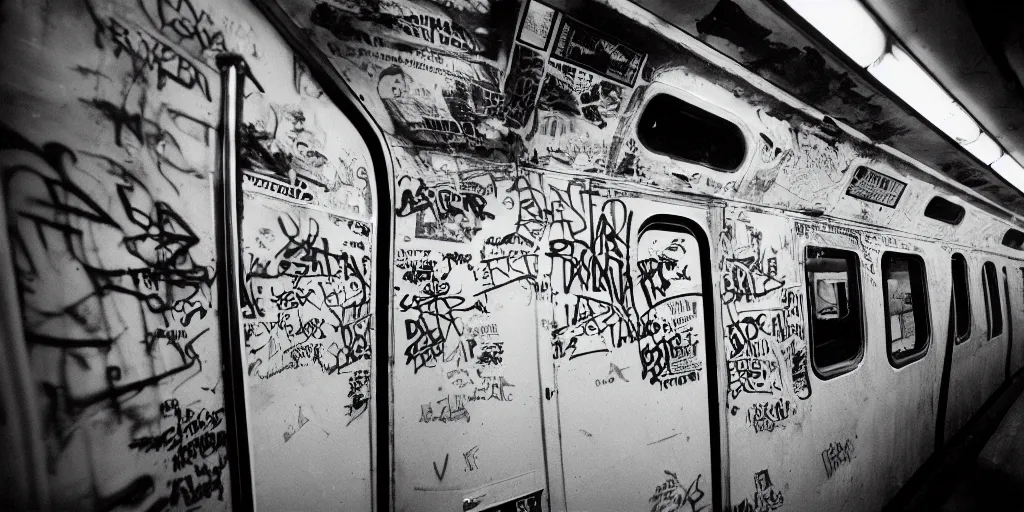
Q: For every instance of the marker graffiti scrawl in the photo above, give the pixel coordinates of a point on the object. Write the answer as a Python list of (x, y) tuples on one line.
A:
[(763, 313)]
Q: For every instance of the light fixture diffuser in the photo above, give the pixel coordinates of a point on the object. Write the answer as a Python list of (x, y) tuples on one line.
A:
[(847, 24), (1006, 166), (984, 148), (906, 79), (1010, 170)]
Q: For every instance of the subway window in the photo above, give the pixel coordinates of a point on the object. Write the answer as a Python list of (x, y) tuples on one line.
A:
[(993, 308), (1009, 304), (675, 128), (906, 307), (961, 299), (1013, 238), (943, 210), (833, 294)]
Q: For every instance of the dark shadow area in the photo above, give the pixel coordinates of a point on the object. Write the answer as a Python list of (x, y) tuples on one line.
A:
[(975, 471)]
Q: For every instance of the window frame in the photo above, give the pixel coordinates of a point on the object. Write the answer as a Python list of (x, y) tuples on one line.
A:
[(1008, 317), (985, 290), (903, 362), (943, 204), (848, 366), (1021, 269), (1013, 238), (710, 110), (970, 312)]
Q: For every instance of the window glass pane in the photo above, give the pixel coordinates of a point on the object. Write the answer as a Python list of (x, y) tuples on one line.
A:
[(945, 211), (1009, 304), (1013, 238), (993, 309), (834, 297), (675, 128), (961, 298), (906, 309)]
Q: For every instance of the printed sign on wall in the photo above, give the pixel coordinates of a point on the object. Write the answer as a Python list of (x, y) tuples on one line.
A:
[(537, 25), (299, 191), (875, 187), (589, 49)]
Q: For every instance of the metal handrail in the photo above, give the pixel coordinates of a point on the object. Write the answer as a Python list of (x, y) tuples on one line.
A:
[(227, 186), (17, 392)]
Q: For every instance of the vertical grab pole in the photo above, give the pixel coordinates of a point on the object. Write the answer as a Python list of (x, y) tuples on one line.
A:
[(227, 195), (17, 389)]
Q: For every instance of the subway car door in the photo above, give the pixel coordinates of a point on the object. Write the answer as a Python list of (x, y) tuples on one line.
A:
[(307, 247), (634, 357), (467, 423)]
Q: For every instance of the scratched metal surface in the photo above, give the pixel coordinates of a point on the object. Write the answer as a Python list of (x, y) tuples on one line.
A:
[(628, 340), (109, 143), (523, 284), (307, 252), (107, 152), (516, 166)]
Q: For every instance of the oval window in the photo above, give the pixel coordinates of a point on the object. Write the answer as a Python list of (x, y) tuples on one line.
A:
[(681, 130)]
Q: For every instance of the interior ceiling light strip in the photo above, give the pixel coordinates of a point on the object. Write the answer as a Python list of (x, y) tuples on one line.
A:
[(1008, 168), (904, 77), (985, 149), (849, 26)]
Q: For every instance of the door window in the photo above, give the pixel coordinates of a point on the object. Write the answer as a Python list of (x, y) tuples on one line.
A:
[(837, 343), (993, 308), (961, 299), (906, 307)]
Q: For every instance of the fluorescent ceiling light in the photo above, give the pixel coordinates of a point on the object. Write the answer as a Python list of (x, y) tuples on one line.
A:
[(847, 24), (985, 149), (905, 78), (1006, 166), (1010, 170)]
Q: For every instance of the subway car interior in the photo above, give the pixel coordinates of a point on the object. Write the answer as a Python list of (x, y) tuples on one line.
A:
[(511, 255)]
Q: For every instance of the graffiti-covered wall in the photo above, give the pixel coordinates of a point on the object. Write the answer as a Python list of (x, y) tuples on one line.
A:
[(107, 152), (521, 272), (465, 380), (527, 302), (107, 143), (562, 87), (307, 242), (554, 281)]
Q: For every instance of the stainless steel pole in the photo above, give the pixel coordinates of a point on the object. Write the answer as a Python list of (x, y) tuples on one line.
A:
[(227, 187)]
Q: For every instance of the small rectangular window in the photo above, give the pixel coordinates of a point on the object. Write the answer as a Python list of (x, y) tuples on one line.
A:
[(1009, 304), (906, 307), (1013, 238), (677, 129), (993, 308), (1021, 269), (961, 299), (942, 210), (833, 295)]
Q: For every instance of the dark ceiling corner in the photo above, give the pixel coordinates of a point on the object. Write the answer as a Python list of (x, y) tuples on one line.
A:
[(998, 24)]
